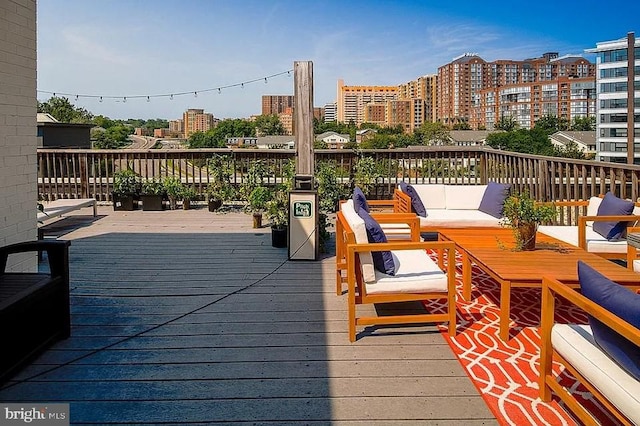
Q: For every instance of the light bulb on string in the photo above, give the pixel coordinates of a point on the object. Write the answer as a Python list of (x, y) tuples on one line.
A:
[(148, 99), (100, 99), (195, 94), (124, 99), (219, 90), (242, 85), (76, 98), (265, 80), (171, 97)]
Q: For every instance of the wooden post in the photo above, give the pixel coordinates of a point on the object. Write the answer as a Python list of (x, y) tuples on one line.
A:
[(303, 119)]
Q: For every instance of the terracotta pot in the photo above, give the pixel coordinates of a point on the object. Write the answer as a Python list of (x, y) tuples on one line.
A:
[(214, 205), (526, 236), (257, 220)]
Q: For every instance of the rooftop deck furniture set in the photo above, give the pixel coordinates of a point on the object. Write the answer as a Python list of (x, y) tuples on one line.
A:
[(34, 307), (455, 212)]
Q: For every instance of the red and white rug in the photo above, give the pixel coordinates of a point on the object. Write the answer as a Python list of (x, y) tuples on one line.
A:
[(506, 373)]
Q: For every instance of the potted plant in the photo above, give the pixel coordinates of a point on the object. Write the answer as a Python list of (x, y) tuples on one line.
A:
[(277, 211), (257, 202), (219, 189), (126, 189), (173, 187), (188, 194), (523, 214), (152, 195)]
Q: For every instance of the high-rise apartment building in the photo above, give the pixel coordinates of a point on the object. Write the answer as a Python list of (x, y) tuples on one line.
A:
[(480, 93), (176, 126), (276, 104), (618, 100), (351, 100), (330, 112), (422, 93), (196, 120)]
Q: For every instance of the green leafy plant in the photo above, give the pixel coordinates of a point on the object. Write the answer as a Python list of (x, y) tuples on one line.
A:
[(173, 186), (188, 192), (152, 187), (277, 209), (219, 187), (523, 214), (126, 182), (258, 199), (331, 189), (255, 177), (366, 174)]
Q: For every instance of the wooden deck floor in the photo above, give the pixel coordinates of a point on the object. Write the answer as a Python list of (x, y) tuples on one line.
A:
[(192, 317)]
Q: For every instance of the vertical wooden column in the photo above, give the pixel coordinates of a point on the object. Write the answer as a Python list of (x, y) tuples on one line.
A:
[(303, 118)]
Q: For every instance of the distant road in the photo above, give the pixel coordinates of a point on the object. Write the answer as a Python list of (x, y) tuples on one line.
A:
[(141, 142)]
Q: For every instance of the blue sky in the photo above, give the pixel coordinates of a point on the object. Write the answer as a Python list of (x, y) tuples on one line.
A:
[(153, 47)]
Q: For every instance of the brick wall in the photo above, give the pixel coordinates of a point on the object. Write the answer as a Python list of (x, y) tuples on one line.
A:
[(18, 185)]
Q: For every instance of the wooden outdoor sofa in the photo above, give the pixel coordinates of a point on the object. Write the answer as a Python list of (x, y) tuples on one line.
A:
[(574, 347), (417, 277), (57, 208), (34, 307)]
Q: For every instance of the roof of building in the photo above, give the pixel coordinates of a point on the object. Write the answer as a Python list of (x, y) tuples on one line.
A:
[(327, 134), (469, 135), (587, 137), (43, 117)]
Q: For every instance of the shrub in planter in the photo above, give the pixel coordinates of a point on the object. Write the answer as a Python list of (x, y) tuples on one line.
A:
[(126, 189), (257, 202), (277, 212), (523, 214), (173, 187), (152, 195)]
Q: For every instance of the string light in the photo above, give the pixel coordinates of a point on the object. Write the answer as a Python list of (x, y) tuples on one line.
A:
[(164, 95)]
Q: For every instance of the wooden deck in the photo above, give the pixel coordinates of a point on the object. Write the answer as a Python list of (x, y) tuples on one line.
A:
[(192, 317)]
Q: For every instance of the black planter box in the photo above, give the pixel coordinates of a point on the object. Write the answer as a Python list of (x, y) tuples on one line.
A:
[(279, 237), (152, 203), (124, 202)]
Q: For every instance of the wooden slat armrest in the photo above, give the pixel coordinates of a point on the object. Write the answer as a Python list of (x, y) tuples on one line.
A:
[(554, 287), (404, 245), (383, 203), (582, 225), (404, 201), (57, 254), (407, 218)]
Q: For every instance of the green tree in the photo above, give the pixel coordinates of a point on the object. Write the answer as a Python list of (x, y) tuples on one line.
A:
[(268, 125), (506, 123), (430, 133), (462, 125), (584, 123), (551, 124), (534, 141), (112, 138), (64, 111)]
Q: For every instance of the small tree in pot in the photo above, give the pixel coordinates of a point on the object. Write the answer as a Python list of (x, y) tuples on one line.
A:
[(173, 186), (257, 202), (188, 194), (219, 189)]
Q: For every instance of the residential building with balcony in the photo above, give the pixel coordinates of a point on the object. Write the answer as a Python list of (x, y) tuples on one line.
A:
[(330, 112), (196, 120), (351, 100), (480, 93), (618, 100), (176, 126)]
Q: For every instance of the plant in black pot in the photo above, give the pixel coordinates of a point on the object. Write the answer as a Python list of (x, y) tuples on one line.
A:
[(126, 190), (277, 212), (152, 195), (173, 187)]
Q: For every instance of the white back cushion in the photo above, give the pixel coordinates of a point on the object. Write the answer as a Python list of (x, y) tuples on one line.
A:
[(592, 208), (431, 195), (356, 223), (464, 197)]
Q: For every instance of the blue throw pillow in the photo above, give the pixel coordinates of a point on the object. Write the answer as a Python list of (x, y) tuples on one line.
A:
[(382, 260), (416, 202), (492, 202), (359, 200), (612, 206), (620, 301)]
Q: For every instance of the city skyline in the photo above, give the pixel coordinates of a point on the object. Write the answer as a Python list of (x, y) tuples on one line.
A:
[(123, 49)]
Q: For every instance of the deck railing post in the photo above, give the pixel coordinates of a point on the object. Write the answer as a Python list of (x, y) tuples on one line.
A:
[(84, 175)]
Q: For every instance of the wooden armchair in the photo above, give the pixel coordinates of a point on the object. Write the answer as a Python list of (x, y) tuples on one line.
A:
[(417, 278), (582, 235), (34, 307), (574, 348)]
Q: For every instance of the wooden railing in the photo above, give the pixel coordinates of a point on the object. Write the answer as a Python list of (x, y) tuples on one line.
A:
[(89, 173)]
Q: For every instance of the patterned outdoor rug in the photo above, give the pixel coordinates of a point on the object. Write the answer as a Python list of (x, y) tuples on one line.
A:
[(506, 373)]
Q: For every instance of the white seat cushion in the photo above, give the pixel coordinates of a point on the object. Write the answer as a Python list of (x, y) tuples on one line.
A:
[(360, 232), (415, 273), (596, 243), (575, 343), (459, 219), (464, 197), (636, 265)]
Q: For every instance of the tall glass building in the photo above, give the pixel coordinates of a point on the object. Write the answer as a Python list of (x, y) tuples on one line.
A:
[(618, 100)]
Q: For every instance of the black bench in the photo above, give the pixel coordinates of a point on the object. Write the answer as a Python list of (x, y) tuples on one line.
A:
[(34, 307)]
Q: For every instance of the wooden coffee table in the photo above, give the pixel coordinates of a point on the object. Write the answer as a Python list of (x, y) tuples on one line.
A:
[(491, 249)]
